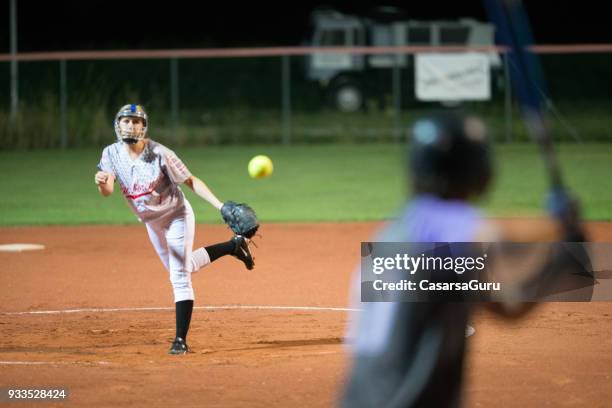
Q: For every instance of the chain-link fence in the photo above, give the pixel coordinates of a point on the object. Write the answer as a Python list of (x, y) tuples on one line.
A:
[(273, 99)]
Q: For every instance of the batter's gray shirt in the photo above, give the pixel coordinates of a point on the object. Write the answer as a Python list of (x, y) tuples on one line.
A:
[(150, 183)]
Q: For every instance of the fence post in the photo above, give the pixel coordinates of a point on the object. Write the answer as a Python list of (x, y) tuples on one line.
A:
[(63, 105), (397, 98), (14, 67), (508, 98), (174, 93), (286, 99)]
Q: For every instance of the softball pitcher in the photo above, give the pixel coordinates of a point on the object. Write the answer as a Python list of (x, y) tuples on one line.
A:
[(149, 175)]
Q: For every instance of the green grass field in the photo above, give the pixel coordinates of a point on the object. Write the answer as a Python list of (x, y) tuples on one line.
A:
[(310, 183)]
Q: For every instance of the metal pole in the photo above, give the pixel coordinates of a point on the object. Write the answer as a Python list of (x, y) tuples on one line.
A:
[(14, 67), (397, 98), (174, 93), (286, 99), (63, 106), (508, 98)]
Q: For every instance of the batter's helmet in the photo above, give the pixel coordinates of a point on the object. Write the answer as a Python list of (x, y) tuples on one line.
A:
[(131, 110), (450, 155)]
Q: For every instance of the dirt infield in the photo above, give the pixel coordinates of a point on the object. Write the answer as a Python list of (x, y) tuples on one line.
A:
[(110, 321)]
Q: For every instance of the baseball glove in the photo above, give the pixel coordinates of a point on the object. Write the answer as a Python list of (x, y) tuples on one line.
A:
[(240, 218)]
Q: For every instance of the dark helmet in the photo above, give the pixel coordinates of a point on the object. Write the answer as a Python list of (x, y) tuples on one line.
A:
[(450, 155)]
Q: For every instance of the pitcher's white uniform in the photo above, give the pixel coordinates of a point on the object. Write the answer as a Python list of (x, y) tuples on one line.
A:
[(150, 184)]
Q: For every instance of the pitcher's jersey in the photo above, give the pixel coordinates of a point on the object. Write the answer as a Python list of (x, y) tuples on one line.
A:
[(150, 183)]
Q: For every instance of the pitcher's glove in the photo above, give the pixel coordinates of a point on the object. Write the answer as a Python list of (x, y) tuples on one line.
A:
[(240, 218)]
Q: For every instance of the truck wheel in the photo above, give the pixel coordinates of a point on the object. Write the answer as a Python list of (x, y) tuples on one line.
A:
[(348, 97)]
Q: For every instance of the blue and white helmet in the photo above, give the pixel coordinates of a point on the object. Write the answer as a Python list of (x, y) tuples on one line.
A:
[(131, 110)]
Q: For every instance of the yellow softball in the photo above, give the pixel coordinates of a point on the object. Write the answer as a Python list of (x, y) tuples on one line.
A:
[(260, 166)]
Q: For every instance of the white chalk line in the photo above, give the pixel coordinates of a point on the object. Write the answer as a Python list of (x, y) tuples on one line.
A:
[(158, 309)]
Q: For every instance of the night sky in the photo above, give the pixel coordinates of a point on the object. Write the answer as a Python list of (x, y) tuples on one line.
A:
[(110, 24)]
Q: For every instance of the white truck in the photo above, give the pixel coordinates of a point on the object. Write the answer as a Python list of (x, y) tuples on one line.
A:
[(348, 79)]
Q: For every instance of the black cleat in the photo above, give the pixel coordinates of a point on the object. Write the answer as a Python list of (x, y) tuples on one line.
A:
[(242, 252), (178, 346)]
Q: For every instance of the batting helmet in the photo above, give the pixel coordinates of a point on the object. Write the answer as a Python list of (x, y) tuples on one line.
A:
[(131, 110), (450, 155)]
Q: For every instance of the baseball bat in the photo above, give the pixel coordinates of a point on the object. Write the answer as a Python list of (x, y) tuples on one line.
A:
[(514, 32)]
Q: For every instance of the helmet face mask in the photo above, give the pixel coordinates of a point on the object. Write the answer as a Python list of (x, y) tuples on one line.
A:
[(130, 131)]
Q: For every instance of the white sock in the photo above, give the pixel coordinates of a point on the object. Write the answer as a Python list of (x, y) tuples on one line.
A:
[(199, 259)]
